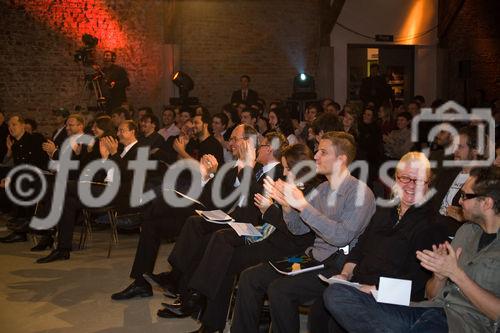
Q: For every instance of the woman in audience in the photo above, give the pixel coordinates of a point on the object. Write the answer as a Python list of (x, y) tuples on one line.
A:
[(398, 141), (350, 122), (385, 120), (232, 115), (279, 120), (310, 114)]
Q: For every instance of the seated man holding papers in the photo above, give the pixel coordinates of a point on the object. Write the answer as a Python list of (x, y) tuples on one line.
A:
[(196, 231)]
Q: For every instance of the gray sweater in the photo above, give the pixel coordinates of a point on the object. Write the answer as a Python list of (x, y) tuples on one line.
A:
[(337, 217)]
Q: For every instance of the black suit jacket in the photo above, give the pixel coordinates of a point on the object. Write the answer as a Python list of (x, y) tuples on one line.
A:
[(251, 98), (122, 200), (248, 212), (61, 136)]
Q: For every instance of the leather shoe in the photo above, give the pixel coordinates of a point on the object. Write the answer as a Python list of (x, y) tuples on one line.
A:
[(14, 237), (53, 256), (163, 282), (45, 242), (192, 306), (134, 290), (165, 313)]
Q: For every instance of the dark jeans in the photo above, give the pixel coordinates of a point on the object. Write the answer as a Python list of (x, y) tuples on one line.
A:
[(285, 294), (357, 311)]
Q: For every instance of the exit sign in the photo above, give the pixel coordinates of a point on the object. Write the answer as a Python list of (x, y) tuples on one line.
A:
[(384, 38)]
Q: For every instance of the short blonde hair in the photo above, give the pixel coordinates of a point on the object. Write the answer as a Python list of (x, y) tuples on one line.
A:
[(417, 158)]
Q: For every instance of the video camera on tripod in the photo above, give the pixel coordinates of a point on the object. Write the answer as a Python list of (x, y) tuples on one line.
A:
[(92, 74)]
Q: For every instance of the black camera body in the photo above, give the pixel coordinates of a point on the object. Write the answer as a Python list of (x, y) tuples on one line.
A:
[(85, 53)]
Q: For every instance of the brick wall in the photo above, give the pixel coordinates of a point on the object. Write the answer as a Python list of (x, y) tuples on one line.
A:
[(271, 41), (473, 35), (39, 37), (218, 41)]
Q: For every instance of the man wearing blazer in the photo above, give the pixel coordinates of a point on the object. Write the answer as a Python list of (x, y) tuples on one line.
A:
[(245, 94), (109, 148), (60, 134), (195, 230)]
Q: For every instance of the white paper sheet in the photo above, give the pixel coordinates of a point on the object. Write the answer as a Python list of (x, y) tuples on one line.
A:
[(393, 291), (245, 229)]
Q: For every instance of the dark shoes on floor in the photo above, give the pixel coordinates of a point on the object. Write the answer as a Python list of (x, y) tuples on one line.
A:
[(192, 306), (14, 237), (134, 290), (57, 254)]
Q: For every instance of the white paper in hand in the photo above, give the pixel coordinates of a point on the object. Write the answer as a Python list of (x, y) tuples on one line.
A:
[(393, 291)]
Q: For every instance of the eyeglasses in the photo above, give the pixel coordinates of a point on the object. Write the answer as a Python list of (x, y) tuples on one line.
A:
[(406, 180), (467, 196), (264, 145)]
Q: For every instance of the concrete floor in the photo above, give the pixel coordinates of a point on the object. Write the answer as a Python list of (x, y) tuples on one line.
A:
[(74, 295)]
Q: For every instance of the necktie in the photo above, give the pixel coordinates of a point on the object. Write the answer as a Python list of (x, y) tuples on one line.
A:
[(244, 95), (259, 173)]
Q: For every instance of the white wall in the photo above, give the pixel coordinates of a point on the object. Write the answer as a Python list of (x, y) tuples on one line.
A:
[(401, 18)]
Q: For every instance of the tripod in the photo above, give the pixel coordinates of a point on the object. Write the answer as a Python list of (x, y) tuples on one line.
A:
[(92, 82)]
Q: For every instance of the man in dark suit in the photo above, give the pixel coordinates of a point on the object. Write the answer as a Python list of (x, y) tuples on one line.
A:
[(60, 134), (109, 149), (196, 230), (245, 94), (22, 148)]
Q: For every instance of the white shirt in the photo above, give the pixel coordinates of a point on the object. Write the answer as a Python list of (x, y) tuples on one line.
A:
[(168, 132), (111, 172), (454, 188)]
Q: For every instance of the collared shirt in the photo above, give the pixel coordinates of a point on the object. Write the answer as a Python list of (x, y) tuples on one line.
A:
[(172, 130), (481, 266), (337, 217), (111, 172)]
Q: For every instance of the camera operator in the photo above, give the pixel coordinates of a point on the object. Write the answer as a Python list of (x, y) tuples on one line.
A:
[(115, 82)]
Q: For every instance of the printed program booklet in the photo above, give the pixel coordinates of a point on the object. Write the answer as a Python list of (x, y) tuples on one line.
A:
[(296, 265)]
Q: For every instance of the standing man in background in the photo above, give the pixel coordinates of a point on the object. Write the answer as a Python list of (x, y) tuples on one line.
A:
[(245, 94)]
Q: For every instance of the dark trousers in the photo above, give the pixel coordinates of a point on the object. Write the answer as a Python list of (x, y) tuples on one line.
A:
[(190, 247), (154, 227), (225, 257), (357, 311), (285, 294)]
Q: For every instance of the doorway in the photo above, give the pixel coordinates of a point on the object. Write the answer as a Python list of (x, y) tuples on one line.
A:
[(396, 65)]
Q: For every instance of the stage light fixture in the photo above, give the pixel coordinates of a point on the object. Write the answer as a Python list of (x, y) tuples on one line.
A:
[(303, 87), (184, 83)]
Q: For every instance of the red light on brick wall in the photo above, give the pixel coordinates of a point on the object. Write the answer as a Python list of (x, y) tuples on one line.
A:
[(73, 18)]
